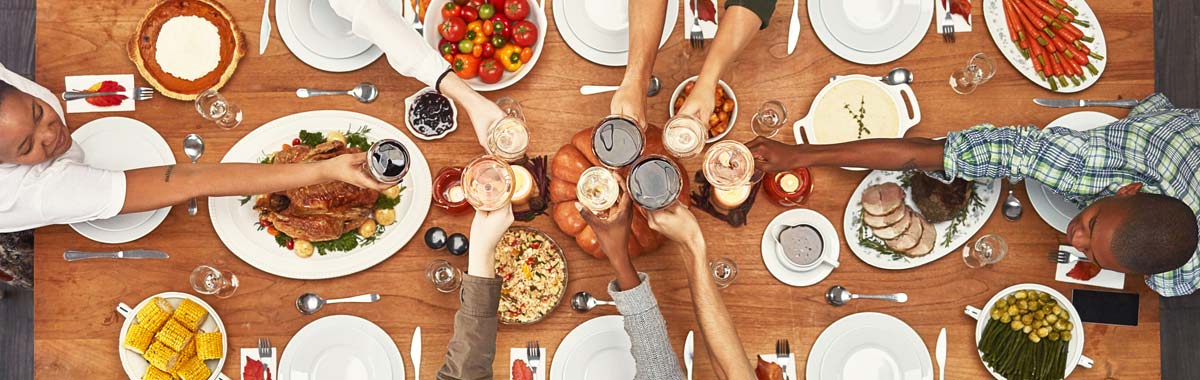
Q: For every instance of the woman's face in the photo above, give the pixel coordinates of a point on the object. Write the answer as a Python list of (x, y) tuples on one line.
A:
[(30, 131)]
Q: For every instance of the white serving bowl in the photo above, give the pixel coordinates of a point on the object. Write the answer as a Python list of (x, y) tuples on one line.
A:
[(728, 92), (433, 18)]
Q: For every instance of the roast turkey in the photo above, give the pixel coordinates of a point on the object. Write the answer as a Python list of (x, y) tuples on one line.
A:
[(318, 212)]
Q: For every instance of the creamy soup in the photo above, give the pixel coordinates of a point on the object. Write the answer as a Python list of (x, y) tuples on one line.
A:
[(854, 110), (802, 244)]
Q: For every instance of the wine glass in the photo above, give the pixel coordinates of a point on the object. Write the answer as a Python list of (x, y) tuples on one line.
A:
[(979, 69), (771, 117), (597, 189), (214, 107), (728, 164), (444, 277), (684, 136), (488, 183), (212, 281), (724, 271), (508, 138), (988, 250)]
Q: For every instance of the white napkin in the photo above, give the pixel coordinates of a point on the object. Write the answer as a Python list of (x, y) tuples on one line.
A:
[(791, 364), (708, 28), (515, 354), (1106, 278), (83, 82), (253, 354), (960, 24)]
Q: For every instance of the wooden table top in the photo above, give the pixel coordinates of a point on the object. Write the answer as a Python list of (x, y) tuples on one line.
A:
[(76, 328)]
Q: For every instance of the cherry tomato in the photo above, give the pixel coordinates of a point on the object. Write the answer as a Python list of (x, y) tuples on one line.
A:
[(526, 55), (490, 70), (524, 33), (470, 14), (446, 47), (488, 50), (516, 9), (291, 244), (296, 141), (466, 46), (272, 231), (475, 3), (499, 4), (451, 10), (500, 25), (499, 41), (486, 11), (453, 29), (460, 2), (449, 58)]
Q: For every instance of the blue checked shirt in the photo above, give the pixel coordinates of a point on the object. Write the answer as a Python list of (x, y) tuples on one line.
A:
[(1157, 145)]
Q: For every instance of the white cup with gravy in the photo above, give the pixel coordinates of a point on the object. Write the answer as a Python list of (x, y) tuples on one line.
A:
[(802, 248)]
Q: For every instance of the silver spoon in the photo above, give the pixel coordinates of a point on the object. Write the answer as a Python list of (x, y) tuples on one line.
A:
[(193, 147), (1012, 206), (583, 301), (363, 92), (309, 303), (897, 76), (653, 88), (838, 296)]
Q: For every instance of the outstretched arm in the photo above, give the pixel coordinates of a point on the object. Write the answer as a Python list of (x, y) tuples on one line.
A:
[(716, 326), (738, 27), (886, 154), (645, 30)]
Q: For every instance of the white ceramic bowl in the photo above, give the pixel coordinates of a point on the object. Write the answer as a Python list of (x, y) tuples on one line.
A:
[(408, 102), (1074, 347), (728, 92), (135, 365), (433, 18)]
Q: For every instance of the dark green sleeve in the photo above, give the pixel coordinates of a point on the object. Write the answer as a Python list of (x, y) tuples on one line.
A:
[(763, 8)]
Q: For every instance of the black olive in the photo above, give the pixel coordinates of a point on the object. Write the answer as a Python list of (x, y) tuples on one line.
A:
[(435, 238), (458, 244)]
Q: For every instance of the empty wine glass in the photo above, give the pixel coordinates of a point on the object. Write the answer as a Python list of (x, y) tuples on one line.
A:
[(988, 250), (214, 107), (724, 271), (508, 137), (770, 117), (444, 277), (212, 281), (979, 69)]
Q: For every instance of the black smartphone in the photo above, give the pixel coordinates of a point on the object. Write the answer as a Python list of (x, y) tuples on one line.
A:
[(1108, 308)]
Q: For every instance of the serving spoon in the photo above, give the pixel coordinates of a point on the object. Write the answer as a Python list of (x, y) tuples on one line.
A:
[(309, 303), (193, 147), (838, 296), (897, 76), (363, 92), (584, 301)]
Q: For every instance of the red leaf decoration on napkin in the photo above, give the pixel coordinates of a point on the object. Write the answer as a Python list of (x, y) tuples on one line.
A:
[(106, 101), (254, 370), (1084, 271), (707, 11), (520, 371), (959, 7)]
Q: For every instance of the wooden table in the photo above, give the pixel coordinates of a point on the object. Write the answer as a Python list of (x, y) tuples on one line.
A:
[(76, 327)]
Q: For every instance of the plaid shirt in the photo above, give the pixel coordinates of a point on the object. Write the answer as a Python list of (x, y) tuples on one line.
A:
[(1157, 145)]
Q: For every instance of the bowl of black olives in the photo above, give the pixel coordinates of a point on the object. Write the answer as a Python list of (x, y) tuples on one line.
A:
[(429, 115)]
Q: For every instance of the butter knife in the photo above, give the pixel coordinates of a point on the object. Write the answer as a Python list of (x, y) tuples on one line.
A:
[(940, 354), (415, 353), (131, 254), (689, 352), (1075, 103), (264, 31), (794, 27)]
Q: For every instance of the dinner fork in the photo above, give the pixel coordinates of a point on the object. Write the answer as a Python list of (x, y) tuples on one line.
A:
[(1064, 257), (533, 352), (696, 37), (783, 352), (417, 24), (264, 354), (947, 23), (139, 93)]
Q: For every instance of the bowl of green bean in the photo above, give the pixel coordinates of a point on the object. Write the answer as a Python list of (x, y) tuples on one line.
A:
[(1029, 332)]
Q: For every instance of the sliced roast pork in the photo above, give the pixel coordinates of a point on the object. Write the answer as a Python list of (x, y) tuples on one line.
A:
[(928, 240), (899, 228), (910, 237), (895, 216), (882, 199)]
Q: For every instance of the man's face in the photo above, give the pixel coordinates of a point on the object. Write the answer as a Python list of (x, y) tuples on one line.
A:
[(1092, 231), (30, 131)]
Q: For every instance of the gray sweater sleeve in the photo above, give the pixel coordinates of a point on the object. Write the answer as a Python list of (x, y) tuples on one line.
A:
[(652, 350)]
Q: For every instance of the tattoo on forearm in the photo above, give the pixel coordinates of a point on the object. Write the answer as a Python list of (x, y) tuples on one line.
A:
[(910, 165), (167, 175)]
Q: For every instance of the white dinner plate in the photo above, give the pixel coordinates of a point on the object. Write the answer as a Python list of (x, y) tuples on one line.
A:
[(598, 30), (341, 347), (869, 346), (978, 211), (291, 38), (235, 222), (774, 263), (324, 32), (595, 350), (993, 14), (121, 143), (135, 365), (1053, 208), (870, 32)]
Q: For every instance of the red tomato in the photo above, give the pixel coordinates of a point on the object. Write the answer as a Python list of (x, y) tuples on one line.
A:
[(474, 3), (451, 10), (516, 9), (465, 66), (524, 33), (526, 55), (453, 28), (291, 244), (500, 25), (499, 4), (490, 71), (488, 50), (296, 141), (470, 14)]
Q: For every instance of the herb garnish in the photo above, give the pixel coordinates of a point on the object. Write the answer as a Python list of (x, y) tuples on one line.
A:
[(973, 204), (858, 116)]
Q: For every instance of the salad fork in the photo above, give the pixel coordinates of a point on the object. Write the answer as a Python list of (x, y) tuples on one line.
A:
[(533, 352), (139, 93), (1064, 257), (264, 354), (783, 352), (948, 23), (696, 37)]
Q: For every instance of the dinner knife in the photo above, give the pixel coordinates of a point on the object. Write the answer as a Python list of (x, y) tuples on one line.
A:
[(415, 353), (689, 352), (940, 354), (264, 32), (1074, 103), (794, 27), (71, 255)]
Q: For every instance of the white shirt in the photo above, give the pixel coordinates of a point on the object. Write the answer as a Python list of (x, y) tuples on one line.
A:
[(407, 52), (60, 191)]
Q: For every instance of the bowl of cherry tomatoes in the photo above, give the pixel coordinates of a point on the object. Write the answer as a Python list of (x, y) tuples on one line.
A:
[(491, 44)]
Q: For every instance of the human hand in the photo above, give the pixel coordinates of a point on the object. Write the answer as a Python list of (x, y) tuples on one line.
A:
[(630, 101), (348, 168), (487, 229), (612, 229), (677, 223), (700, 102), (773, 156), (484, 114)]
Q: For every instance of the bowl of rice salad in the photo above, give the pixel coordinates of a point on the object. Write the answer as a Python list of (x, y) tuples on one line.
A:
[(534, 271)]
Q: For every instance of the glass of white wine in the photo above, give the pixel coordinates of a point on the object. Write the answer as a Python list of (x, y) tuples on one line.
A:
[(508, 138), (684, 136), (489, 183), (769, 119), (597, 189)]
